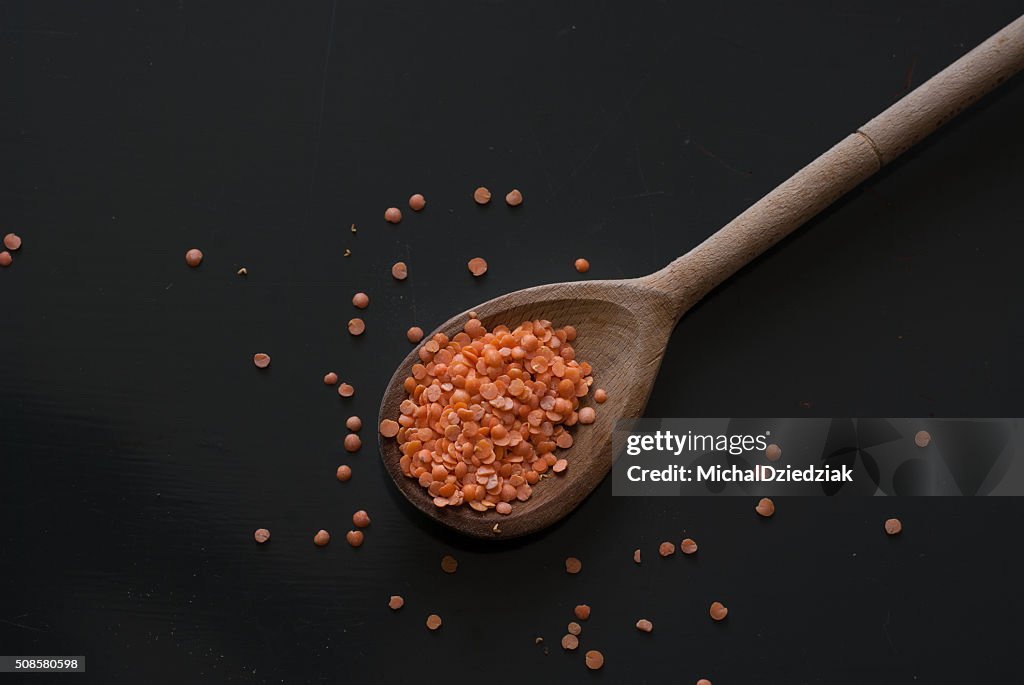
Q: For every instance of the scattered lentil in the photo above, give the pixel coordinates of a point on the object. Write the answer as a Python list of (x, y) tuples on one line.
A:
[(356, 326), (449, 564), (503, 508), (321, 538), (261, 360), (389, 428), (361, 300), (354, 423), (12, 241), (560, 466), (433, 622), (346, 390), (574, 628), (361, 519), (347, 253), (765, 507), (354, 538), (893, 526), (582, 612), (587, 415), (193, 257), (344, 473), (477, 266), (718, 611), (688, 546), (261, 535), (414, 334), (922, 438), (400, 271), (352, 443), (396, 602), (644, 626), (242, 272), (330, 378), (417, 202), (595, 660), (636, 555), (600, 396), (481, 195), (5, 258), (773, 452), (703, 681), (392, 215), (570, 642), (514, 198), (573, 565), (666, 549), (582, 265)]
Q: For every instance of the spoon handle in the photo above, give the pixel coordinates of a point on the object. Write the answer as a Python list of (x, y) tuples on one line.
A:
[(844, 167)]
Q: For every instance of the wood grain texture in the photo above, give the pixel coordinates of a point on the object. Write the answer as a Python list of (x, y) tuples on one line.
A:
[(623, 326)]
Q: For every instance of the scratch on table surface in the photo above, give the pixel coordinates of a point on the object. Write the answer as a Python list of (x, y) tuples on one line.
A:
[(323, 103), (22, 625), (711, 155), (885, 628)]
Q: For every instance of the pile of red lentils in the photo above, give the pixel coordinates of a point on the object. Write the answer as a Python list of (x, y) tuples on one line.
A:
[(486, 411)]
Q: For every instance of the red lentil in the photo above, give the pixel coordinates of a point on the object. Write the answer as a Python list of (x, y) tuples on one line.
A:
[(574, 628), (718, 611), (773, 452), (595, 660), (644, 626), (922, 438), (636, 555), (389, 428), (666, 549), (261, 360), (344, 473), (587, 415), (352, 443), (688, 546), (582, 612), (582, 265), (514, 198), (392, 215), (193, 257), (573, 565), (481, 195), (414, 334), (354, 538), (330, 378), (321, 538), (261, 535), (477, 266), (433, 622), (893, 526), (396, 602), (417, 202), (361, 300), (600, 396), (12, 241), (354, 423), (703, 681), (346, 390), (356, 326), (400, 271), (503, 508), (360, 519), (449, 564), (765, 507), (570, 642), (5, 258)]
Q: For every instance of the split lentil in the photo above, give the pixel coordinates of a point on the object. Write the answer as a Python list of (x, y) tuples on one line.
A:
[(261, 535), (392, 215), (574, 628), (477, 266), (352, 443), (636, 555), (582, 612), (356, 326), (514, 198), (481, 195), (765, 507), (595, 660), (400, 271), (414, 334), (354, 538), (321, 538), (644, 626), (193, 257), (361, 519), (718, 611), (449, 564), (396, 602), (570, 642), (922, 438), (261, 360), (354, 423), (330, 378), (433, 622), (486, 411), (688, 546), (600, 396), (5, 258), (773, 452), (666, 549), (346, 390), (12, 241), (582, 265), (361, 300), (417, 202), (893, 526), (573, 565), (344, 473)]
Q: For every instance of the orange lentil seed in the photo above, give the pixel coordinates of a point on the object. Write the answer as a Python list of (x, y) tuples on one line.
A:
[(417, 202), (414, 334), (330, 378), (688, 546), (361, 519), (773, 452), (344, 473), (12, 241), (765, 507), (582, 612), (361, 300), (352, 443), (261, 535), (354, 423), (636, 555), (666, 549), (400, 271), (718, 611), (582, 265), (703, 681), (481, 195), (595, 660), (574, 628), (194, 257), (433, 622), (261, 360), (5, 258), (392, 215), (321, 538), (893, 526), (396, 602), (587, 415), (600, 396), (570, 642), (922, 438), (389, 428), (356, 326), (573, 565), (514, 198), (346, 390), (354, 538), (449, 564), (644, 626), (477, 266)]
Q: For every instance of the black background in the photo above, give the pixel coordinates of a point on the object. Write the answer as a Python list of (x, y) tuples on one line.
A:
[(140, 448)]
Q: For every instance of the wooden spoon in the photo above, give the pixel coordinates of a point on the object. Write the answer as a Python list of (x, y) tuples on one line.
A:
[(624, 325)]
